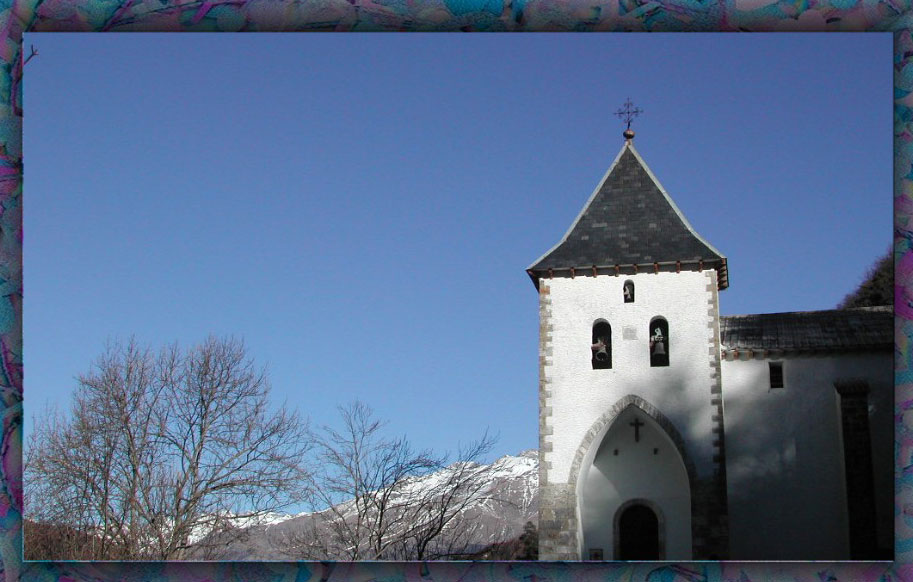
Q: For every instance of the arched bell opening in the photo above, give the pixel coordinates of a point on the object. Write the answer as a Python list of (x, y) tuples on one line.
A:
[(659, 342), (628, 291), (601, 347)]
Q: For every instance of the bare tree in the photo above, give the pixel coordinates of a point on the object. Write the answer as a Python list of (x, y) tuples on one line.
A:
[(434, 530), (381, 500), (159, 452)]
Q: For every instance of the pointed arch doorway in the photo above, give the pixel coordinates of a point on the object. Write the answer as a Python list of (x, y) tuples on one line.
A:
[(634, 492)]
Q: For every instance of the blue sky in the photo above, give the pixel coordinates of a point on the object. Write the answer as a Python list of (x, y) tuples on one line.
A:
[(361, 208)]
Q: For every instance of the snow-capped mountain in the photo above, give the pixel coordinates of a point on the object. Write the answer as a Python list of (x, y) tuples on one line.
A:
[(497, 512)]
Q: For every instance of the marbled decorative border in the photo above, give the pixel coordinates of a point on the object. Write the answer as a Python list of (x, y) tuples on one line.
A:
[(18, 16)]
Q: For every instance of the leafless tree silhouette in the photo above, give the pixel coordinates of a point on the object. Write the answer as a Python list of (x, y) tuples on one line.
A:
[(159, 450), (383, 499)]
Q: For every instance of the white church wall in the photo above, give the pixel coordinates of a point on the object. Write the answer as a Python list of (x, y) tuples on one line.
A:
[(784, 455), (580, 394)]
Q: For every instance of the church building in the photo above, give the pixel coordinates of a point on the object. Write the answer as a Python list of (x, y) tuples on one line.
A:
[(668, 432)]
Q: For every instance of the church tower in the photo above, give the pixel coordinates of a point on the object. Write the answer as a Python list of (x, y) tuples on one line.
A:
[(631, 448)]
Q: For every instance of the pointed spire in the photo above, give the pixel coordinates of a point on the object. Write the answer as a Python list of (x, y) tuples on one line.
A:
[(629, 224)]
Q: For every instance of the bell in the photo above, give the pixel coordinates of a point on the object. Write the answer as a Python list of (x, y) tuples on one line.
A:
[(599, 350), (659, 349)]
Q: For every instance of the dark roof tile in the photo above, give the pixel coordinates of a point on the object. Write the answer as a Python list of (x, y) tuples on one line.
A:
[(867, 328), (629, 220)]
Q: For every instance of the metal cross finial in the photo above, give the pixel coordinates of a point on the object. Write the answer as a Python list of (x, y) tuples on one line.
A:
[(627, 113)]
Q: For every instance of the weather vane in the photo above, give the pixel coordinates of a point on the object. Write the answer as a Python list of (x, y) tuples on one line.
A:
[(627, 115)]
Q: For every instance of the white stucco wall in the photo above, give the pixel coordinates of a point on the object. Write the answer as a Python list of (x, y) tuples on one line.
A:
[(784, 455), (580, 394)]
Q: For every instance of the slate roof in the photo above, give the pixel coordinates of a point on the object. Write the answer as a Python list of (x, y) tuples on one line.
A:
[(864, 328), (630, 220)]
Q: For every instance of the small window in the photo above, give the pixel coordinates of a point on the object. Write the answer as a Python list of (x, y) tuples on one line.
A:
[(602, 345), (628, 291), (776, 374), (659, 342)]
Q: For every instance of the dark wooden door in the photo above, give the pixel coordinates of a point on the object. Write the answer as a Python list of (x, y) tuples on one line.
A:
[(638, 530)]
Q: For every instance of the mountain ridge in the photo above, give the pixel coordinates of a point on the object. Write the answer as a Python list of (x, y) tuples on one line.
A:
[(506, 501)]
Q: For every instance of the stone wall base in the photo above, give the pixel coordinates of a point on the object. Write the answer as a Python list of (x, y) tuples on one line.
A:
[(558, 523)]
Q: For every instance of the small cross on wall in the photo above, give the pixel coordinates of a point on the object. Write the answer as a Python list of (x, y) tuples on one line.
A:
[(636, 424)]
